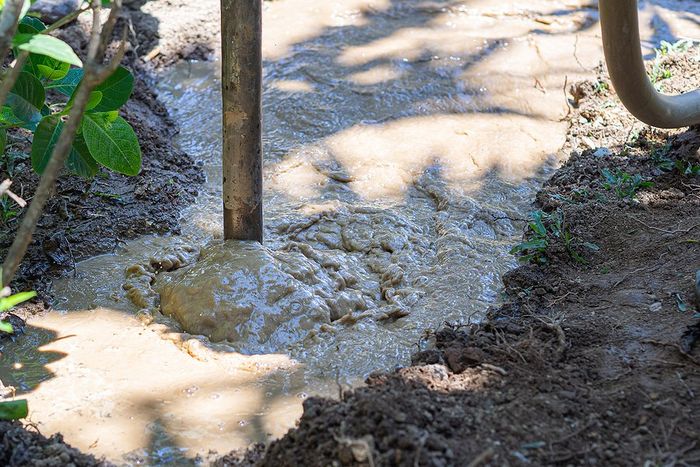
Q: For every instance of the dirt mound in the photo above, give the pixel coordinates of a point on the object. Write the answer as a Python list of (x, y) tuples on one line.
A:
[(591, 361), (24, 447)]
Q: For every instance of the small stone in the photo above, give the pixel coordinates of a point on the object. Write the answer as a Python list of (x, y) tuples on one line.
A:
[(601, 152), (437, 371), (53, 10), (654, 307)]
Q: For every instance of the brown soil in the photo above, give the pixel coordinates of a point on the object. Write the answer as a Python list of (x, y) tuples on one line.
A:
[(89, 217), (586, 364), (20, 446)]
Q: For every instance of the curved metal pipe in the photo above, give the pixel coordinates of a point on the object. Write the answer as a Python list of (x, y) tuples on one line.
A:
[(623, 53)]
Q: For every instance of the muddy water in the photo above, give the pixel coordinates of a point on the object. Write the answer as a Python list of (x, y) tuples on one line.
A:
[(402, 140)]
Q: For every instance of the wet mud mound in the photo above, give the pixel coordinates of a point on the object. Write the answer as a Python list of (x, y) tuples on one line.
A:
[(25, 447), (592, 360), (89, 217), (237, 292)]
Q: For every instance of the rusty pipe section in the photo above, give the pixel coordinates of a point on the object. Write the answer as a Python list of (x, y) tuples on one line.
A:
[(619, 22), (241, 83)]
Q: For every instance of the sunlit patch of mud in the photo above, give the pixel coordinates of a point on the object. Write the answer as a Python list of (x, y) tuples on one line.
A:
[(403, 143), (115, 387)]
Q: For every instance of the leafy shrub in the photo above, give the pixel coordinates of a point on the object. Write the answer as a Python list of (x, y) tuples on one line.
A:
[(623, 184), (542, 231), (43, 95)]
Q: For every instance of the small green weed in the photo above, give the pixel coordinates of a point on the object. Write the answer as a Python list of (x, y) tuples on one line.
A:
[(659, 157), (687, 168), (659, 72), (10, 161), (534, 249), (623, 184), (7, 213), (546, 228), (681, 46), (601, 87)]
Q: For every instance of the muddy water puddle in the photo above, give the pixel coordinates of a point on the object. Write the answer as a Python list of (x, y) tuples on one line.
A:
[(403, 140)]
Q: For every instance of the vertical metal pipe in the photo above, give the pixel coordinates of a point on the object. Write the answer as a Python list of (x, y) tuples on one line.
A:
[(620, 26), (241, 80)]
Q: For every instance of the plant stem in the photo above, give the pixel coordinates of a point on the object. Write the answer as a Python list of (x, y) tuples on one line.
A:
[(8, 24), (65, 20), (11, 76)]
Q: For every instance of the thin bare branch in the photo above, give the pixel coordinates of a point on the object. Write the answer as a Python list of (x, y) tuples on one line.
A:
[(94, 44), (105, 71), (11, 76), (108, 27), (8, 24), (66, 19)]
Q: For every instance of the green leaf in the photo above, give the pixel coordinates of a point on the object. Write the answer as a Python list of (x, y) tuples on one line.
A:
[(42, 66), (8, 302), (25, 99), (68, 83), (537, 225), (536, 244), (6, 327), (29, 88), (93, 100), (13, 410), (112, 143), (80, 161), (8, 117), (115, 90), (30, 25), (45, 139), (46, 45), (3, 140)]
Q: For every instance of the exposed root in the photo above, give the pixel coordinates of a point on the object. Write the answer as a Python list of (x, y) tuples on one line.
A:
[(675, 346)]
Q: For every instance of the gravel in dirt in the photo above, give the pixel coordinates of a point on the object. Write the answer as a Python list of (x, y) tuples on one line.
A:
[(591, 361)]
